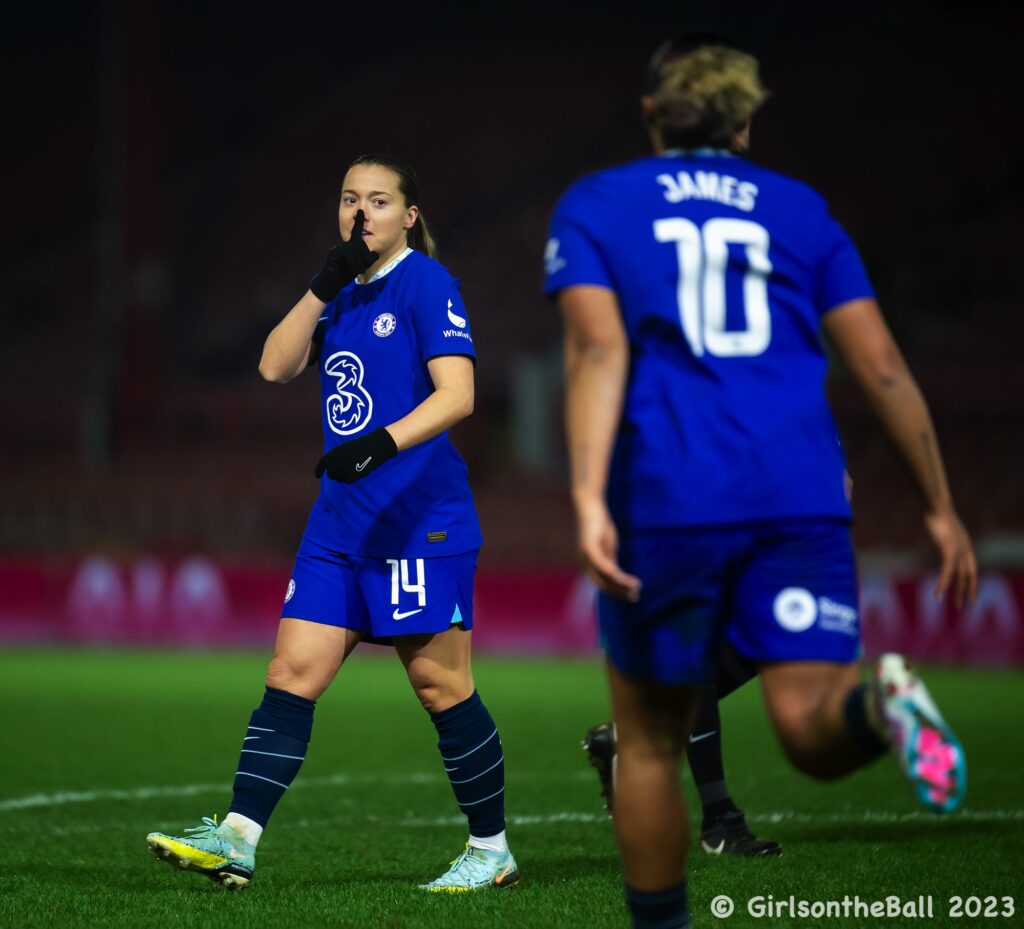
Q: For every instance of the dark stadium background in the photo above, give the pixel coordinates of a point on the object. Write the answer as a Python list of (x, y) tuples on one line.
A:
[(171, 174)]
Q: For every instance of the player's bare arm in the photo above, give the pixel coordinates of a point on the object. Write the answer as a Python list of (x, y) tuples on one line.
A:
[(450, 403), (866, 345), (288, 350), (596, 366)]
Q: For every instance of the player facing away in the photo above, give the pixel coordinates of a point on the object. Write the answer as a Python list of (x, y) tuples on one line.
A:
[(706, 472), (724, 829), (390, 549)]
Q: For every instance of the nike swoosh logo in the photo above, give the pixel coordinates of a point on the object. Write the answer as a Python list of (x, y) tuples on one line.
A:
[(703, 735), (712, 850), (359, 467), (397, 615)]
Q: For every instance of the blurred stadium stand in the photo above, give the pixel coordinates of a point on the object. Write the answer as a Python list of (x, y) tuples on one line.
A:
[(133, 305)]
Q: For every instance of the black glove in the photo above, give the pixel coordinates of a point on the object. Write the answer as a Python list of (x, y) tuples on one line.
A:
[(356, 458), (344, 261)]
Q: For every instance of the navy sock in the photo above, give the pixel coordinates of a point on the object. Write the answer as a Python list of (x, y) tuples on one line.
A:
[(471, 751), (661, 909), (272, 753), (704, 754), (864, 734)]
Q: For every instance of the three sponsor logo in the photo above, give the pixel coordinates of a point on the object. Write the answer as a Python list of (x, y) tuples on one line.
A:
[(350, 407)]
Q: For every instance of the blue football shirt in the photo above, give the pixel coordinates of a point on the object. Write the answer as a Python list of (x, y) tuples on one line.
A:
[(374, 341), (723, 270)]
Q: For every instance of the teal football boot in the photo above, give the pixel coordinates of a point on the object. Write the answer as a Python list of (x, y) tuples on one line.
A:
[(476, 869), (211, 849)]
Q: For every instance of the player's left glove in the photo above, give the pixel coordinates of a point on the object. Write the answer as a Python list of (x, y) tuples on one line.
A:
[(356, 458)]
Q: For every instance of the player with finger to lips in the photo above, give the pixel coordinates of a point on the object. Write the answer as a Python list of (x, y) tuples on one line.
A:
[(389, 553)]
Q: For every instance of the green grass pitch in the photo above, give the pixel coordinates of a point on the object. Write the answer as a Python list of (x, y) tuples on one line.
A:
[(99, 748)]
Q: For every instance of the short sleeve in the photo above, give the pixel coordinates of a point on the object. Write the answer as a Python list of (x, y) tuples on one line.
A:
[(840, 274), (573, 254), (440, 318)]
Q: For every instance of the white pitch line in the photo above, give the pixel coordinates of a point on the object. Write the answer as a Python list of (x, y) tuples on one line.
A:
[(61, 798), (288, 824), (64, 797), (880, 816), (190, 790), (779, 816)]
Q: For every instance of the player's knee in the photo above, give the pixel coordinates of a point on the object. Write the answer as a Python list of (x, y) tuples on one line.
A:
[(287, 673), (436, 696), (803, 746), (664, 748), (809, 760)]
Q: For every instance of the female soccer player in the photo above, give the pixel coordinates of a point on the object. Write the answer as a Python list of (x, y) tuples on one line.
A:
[(390, 549), (706, 473)]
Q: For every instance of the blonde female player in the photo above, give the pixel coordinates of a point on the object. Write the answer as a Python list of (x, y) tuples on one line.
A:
[(706, 472)]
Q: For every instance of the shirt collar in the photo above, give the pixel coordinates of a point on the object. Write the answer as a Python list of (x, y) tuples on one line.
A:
[(388, 268), (705, 152)]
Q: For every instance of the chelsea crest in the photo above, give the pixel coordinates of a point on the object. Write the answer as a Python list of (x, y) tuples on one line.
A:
[(384, 325)]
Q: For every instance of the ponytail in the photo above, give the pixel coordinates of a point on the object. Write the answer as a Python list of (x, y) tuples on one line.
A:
[(420, 237)]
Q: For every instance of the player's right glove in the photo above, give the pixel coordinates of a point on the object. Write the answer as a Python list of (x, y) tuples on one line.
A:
[(344, 261)]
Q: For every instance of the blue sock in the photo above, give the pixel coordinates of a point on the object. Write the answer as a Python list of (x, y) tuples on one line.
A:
[(272, 753), (471, 751), (662, 909)]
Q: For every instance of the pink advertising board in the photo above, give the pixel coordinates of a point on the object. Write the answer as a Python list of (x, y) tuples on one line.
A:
[(200, 601)]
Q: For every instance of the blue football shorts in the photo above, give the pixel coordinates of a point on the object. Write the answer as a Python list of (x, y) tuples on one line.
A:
[(380, 597), (779, 591)]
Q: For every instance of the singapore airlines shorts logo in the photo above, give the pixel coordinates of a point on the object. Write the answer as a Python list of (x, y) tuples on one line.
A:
[(795, 609), (384, 325), (350, 407)]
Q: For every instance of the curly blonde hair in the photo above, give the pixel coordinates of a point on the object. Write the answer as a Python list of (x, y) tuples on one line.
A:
[(706, 97)]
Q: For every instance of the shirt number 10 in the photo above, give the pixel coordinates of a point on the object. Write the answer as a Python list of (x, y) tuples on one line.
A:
[(703, 255)]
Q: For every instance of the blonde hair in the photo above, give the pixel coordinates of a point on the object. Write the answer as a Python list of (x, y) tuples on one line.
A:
[(706, 97)]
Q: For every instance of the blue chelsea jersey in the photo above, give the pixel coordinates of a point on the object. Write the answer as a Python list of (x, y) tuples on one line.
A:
[(374, 342), (722, 270)]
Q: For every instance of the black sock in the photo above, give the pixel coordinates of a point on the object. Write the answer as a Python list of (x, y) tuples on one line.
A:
[(660, 909), (863, 733), (704, 755), (733, 671), (471, 751), (704, 752), (272, 753)]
